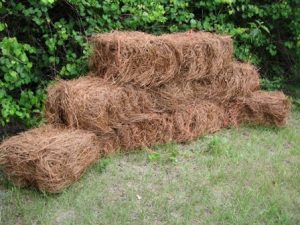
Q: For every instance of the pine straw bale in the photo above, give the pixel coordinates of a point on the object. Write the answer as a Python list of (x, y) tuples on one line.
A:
[(133, 57), (97, 105), (94, 104), (48, 158), (55, 103), (157, 130), (186, 123), (240, 80), (126, 118), (201, 54), (248, 76), (194, 120), (148, 60), (266, 108)]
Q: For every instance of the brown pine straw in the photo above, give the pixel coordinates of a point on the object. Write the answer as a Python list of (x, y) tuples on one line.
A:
[(201, 54), (187, 123), (195, 120), (240, 80), (48, 158), (94, 104), (145, 134), (143, 90), (131, 116), (148, 61), (265, 108), (56, 94)]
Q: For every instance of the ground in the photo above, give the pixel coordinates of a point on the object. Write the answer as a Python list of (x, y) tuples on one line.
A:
[(249, 175)]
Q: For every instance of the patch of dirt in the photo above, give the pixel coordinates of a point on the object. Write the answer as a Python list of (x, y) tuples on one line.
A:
[(64, 216)]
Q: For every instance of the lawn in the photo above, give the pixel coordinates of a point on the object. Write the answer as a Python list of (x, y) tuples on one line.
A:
[(249, 175)]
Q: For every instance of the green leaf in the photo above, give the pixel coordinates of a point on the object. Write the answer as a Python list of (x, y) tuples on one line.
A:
[(47, 2), (2, 26), (13, 74)]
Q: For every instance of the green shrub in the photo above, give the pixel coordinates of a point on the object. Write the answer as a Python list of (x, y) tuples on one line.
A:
[(275, 84), (40, 40), (297, 102)]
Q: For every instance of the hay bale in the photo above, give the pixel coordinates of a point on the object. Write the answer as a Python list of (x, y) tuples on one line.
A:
[(154, 131), (239, 80), (133, 57), (248, 76), (195, 120), (188, 122), (148, 60), (48, 158), (128, 118), (201, 54), (54, 105), (266, 108), (94, 104)]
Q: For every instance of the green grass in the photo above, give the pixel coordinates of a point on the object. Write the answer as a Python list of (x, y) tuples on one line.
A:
[(249, 175)]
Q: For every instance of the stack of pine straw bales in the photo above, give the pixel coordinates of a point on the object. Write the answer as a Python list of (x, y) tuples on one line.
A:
[(142, 90)]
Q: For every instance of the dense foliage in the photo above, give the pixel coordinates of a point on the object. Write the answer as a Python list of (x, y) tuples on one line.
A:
[(40, 40)]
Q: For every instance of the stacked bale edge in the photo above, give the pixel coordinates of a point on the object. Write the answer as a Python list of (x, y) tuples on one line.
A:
[(149, 61), (48, 158), (261, 107)]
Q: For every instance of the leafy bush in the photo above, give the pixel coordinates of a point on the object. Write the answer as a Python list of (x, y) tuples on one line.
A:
[(297, 102), (275, 84), (40, 40)]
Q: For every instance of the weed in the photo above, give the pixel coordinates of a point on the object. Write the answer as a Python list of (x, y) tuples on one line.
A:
[(102, 165)]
